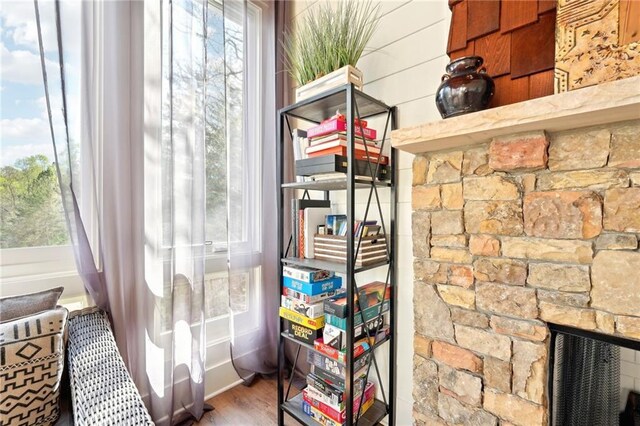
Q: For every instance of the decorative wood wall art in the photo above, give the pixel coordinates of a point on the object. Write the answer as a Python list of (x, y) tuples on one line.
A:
[(596, 41), (515, 38)]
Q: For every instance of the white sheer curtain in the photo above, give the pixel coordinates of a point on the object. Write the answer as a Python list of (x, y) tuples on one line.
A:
[(98, 115), (145, 151), (249, 36)]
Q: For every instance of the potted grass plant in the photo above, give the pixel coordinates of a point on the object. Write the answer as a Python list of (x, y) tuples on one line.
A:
[(326, 45)]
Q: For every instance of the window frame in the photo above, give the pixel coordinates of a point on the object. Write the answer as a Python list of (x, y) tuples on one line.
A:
[(246, 253)]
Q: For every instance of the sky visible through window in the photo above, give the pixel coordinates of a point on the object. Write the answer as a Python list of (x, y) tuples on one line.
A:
[(25, 128), (30, 206)]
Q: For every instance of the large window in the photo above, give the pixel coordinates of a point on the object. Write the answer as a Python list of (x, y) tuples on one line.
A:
[(233, 161), (234, 155), (34, 241)]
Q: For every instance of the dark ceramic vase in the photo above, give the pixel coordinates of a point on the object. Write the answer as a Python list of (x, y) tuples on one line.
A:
[(465, 87)]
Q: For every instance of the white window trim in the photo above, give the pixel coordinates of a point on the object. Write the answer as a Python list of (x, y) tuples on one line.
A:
[(33, 269)]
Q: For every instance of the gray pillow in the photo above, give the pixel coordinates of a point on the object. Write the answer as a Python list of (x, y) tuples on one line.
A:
[(13, 307)]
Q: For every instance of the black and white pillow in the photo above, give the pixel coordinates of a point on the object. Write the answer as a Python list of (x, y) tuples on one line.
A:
[(31, 364)]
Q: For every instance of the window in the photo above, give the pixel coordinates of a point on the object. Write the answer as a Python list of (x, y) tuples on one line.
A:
[(233, 156), (233, 161), (236, 205), (34, 241)]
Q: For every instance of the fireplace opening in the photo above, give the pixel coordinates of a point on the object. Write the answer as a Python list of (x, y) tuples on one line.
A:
[(594, 379)]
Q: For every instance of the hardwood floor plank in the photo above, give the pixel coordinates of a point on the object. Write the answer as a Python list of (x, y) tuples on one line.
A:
[(246, 406)]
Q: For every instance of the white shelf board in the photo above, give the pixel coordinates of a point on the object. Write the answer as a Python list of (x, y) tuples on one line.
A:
[(591, 106)]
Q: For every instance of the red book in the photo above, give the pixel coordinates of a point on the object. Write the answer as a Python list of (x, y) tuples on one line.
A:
[(338, 136), (335, 125), (359, 154), (338, 142)]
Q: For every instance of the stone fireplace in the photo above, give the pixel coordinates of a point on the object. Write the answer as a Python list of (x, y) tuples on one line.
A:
[(510, 234)]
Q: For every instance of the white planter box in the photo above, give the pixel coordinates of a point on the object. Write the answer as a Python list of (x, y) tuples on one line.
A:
[(344, 75)]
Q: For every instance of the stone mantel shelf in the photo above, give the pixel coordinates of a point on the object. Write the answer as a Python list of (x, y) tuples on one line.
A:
[(591, 106)]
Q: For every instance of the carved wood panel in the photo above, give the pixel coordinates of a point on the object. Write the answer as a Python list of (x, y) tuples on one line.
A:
[(596, 41)]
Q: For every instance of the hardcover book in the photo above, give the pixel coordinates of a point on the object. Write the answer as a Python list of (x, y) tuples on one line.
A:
[(339, 164), (333, 136), (334, 125), (359, 154), (296, 206), (371, 149), (313, 217)]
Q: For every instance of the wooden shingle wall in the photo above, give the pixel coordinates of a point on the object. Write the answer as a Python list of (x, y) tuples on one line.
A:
[(516, 40)]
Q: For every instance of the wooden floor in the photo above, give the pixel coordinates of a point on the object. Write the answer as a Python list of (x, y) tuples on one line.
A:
[(246, 406)]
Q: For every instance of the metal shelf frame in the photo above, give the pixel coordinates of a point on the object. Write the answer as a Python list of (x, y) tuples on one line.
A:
[(357, 105)]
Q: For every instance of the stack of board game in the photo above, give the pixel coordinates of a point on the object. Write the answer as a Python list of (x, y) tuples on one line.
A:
[(327, 151), (373, 298), (324, 395), (303, 293)]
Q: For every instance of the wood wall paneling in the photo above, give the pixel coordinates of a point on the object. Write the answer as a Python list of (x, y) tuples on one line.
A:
[(517, 14), (467, 51), (458, 29), (541, 84), (496, 50), (546, 5), (483, 17), (533, 47), (516, 39), (509, 91)]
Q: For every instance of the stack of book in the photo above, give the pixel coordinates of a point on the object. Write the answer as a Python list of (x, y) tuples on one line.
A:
[(327, 151), (323, 398), (303, 293)]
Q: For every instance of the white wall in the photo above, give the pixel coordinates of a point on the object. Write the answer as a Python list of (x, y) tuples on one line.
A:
[(402, 67)]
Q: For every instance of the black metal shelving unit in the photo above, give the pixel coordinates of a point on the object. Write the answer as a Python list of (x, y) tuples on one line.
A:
[(356, 105)]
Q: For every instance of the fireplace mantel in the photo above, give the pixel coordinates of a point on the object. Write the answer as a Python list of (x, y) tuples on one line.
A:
[(596, 105)]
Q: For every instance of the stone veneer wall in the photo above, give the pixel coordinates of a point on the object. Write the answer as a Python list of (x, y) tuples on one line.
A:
[(507, 236)]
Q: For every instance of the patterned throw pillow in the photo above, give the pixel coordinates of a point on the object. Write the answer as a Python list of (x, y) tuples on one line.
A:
[(31, 363)]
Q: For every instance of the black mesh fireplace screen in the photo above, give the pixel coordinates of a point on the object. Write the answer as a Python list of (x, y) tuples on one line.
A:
[(586, 382)]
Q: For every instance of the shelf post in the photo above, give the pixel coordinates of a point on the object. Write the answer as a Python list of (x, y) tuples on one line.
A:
[(350, 249), (393, 212), (279, 180)]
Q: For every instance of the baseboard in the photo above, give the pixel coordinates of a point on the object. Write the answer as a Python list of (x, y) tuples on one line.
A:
[(220, 378)]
